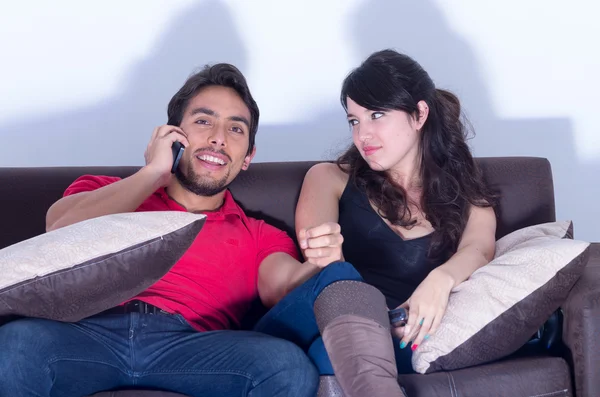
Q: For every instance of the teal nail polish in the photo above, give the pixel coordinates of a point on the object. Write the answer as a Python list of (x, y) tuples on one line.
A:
[(402, 345), (426, 337)]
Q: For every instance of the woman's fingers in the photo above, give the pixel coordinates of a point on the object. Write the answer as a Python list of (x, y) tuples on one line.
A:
[(414, 317), (424, 331), (437, 321), (398, 332)]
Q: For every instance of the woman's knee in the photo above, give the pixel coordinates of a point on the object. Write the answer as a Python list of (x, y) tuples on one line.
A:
[(341, 290), (338, 271), (350, 297)]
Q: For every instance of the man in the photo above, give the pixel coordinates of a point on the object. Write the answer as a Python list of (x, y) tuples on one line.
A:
[(175, 336)]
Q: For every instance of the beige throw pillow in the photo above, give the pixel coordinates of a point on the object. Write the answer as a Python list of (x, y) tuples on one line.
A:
[(85, 268), (498, 309)]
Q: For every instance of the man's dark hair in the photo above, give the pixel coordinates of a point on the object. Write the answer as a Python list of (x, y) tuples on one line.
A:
[(221, 74)]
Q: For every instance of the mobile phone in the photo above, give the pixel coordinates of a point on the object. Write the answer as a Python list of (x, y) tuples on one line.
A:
[(178, 149), (398, 317)]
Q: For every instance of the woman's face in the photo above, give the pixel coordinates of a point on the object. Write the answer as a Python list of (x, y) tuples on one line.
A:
[(386, 139)]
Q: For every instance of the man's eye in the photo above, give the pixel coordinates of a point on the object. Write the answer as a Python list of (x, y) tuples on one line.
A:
[(353, 122), (201, 122), (376, 115), (237, 129)]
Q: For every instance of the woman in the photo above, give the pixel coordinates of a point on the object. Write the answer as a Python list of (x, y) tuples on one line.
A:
[(415, 214)]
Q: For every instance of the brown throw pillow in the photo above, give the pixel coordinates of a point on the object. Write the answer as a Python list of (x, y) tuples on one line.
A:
[(497, 310), (88, 267)]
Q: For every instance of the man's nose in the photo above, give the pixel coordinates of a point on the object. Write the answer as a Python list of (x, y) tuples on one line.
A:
[(217, 136)]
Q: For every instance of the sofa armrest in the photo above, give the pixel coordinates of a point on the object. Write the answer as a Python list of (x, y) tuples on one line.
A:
[(581, 327)]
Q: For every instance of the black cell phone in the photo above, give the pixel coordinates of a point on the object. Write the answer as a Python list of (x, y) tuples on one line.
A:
[(398, 317), (178, 149)]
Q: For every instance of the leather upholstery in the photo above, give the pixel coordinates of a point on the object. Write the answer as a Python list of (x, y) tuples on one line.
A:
[(270, 191), (525, 377), (581, 327)]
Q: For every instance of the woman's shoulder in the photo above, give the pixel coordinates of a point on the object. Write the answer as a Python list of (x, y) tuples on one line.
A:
[(328, 174), (330, 171)]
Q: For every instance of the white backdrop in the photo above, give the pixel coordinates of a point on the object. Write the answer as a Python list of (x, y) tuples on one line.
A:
[(98, 76)]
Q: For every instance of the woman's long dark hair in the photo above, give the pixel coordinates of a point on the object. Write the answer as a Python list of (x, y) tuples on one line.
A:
[(450, 178)]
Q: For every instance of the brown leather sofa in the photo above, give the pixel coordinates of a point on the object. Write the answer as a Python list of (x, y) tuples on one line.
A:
[(270, 191)]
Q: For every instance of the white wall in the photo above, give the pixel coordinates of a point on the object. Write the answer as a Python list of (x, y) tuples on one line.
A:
[(99, 76)]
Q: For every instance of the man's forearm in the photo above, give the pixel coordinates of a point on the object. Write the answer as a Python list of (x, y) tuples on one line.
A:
[(300, 274), (295, 277), (125, 195), (279, 274)]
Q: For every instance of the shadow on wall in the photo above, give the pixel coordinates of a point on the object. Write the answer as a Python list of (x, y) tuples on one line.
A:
[(112, 130), (117, 130), (419, 29)]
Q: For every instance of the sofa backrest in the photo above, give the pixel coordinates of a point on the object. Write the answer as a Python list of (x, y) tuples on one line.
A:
[(269, 191)]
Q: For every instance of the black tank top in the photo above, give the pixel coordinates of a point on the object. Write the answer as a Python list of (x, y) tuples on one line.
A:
[(393, 265)]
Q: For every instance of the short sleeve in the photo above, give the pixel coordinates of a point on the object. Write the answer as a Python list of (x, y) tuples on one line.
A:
[(88, 183), (272, 240)]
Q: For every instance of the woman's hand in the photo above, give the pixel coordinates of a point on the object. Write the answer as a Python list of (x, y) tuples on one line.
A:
[(322, 244), (426, 308)]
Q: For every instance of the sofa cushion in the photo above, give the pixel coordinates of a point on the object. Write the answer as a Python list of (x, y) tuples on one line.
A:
[(497, 310), (516, 377), (524, 377), (85, 268)]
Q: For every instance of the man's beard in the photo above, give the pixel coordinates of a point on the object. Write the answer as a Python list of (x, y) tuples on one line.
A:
[(194, 183)]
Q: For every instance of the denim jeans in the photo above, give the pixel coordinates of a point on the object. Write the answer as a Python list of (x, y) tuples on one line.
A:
[(147, 351), (293, 319)]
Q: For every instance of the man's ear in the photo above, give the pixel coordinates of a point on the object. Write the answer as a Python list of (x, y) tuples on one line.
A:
[(248, 159)]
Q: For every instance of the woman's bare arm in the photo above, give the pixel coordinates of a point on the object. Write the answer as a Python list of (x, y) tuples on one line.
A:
[(319, 198)]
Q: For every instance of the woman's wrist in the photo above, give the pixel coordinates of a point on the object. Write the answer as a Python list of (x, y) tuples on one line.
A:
[(445, 277)]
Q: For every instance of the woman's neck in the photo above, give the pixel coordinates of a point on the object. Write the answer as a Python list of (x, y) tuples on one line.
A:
[(407, 175)]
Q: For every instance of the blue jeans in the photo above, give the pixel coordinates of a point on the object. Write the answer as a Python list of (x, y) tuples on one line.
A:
[(150, 352), (293, 318)]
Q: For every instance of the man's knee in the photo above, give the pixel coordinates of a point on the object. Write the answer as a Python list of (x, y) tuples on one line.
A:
[(25, 338), (25, 345), (287, 364)]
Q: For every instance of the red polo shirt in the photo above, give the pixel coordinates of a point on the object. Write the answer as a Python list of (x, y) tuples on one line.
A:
[(215, 281)]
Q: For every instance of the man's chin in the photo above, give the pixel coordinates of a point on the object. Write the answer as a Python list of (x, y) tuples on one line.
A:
[(206, 187)]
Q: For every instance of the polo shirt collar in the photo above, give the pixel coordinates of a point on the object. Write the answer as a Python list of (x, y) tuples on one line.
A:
[(229, 206)]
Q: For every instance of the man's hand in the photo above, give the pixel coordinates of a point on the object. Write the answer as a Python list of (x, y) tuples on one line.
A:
[(159, 155), (125, 195), (322, 244)]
